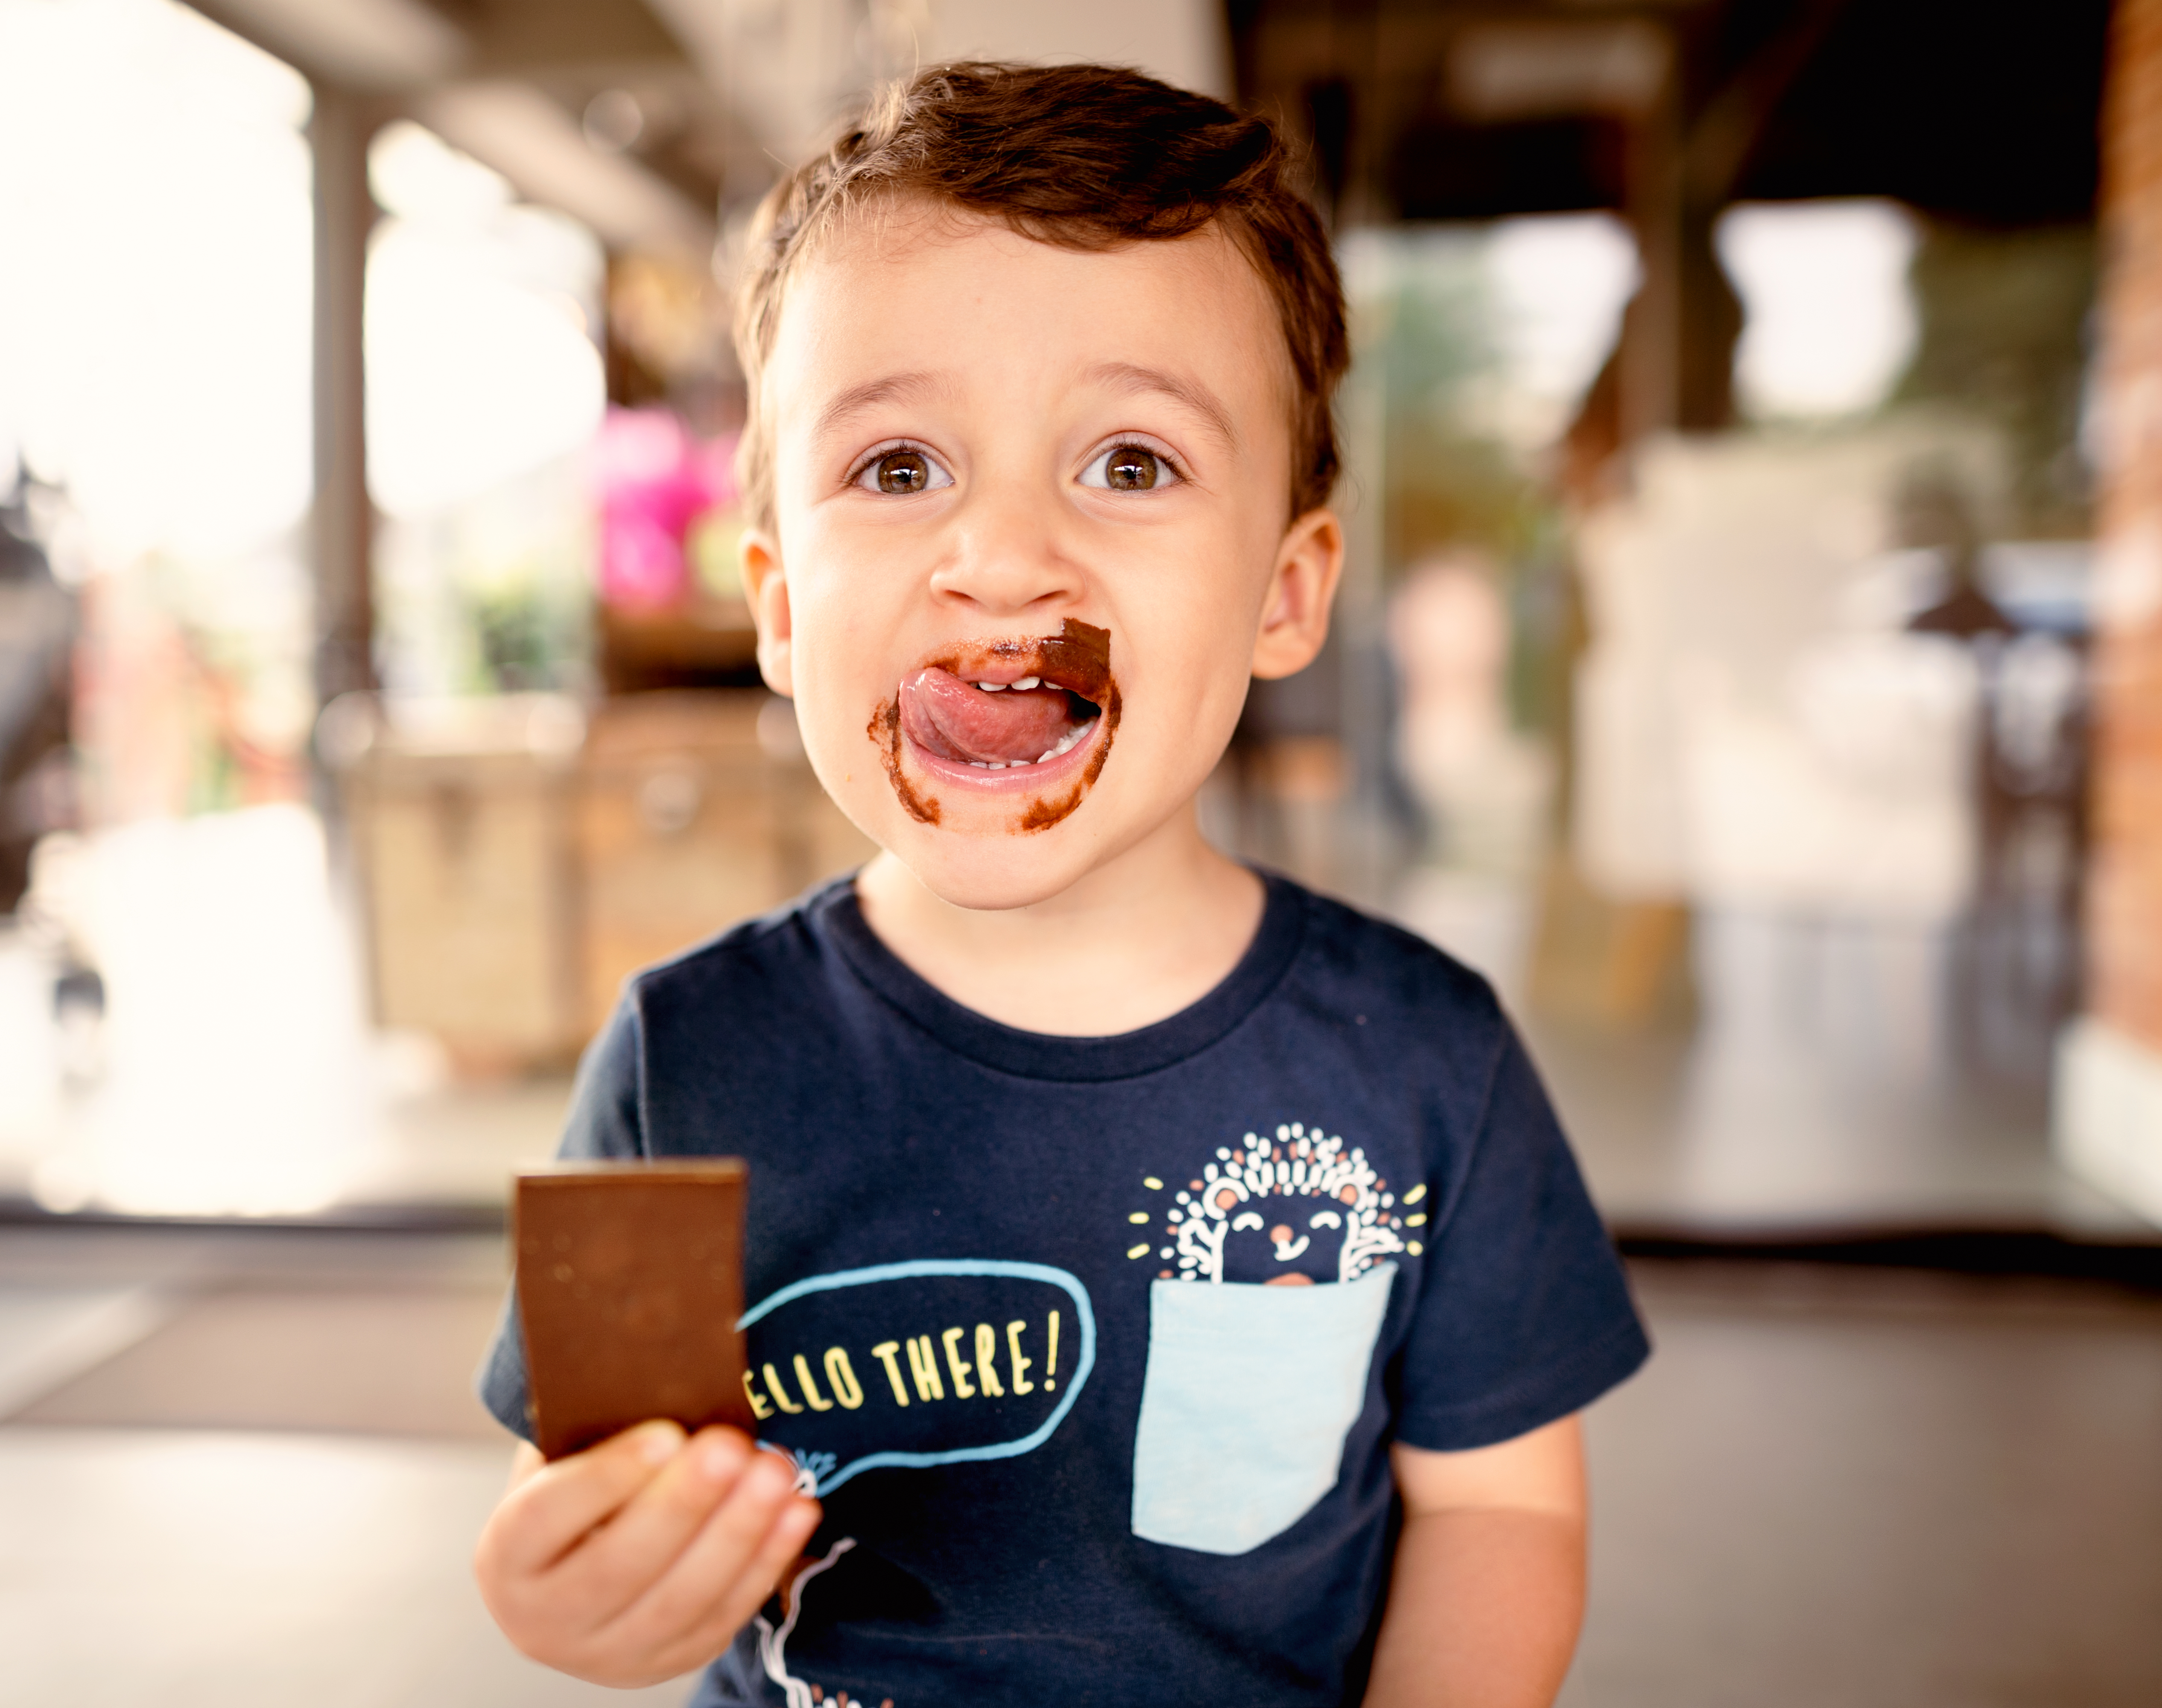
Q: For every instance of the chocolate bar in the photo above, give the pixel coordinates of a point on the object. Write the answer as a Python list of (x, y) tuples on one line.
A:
[(629, 1284)]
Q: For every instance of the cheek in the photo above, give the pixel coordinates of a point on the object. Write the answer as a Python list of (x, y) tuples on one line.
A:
[(838, 668), (842, 594), (837, 702), (1208, 626), (1219, 690)]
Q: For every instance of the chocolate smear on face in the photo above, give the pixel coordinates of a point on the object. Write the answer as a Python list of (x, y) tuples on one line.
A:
[(1079, 657), (884, 732), (1079, 660), (1047, 810), (1075, 663)]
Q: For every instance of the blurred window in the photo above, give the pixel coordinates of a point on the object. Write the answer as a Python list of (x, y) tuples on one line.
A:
[(485, 387), (155, 317), (1830, 323)]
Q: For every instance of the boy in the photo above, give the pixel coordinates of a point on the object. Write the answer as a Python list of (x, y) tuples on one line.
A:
[(1170, 1287)]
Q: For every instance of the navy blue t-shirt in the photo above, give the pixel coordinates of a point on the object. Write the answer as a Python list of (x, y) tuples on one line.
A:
[(1094, 1347)]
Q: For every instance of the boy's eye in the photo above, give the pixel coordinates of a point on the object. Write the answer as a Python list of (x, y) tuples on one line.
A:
[(902, 473), (1128, 468)]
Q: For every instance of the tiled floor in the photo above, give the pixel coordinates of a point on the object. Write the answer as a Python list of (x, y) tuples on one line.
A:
[(1696, 1133), (1850, 1075), (1827, 1490), (247, 1470), (198, 1568), (323, 1330), (1833, 1490)]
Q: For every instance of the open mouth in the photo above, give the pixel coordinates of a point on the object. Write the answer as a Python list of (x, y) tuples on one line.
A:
[(993, 725), (1029, 717)]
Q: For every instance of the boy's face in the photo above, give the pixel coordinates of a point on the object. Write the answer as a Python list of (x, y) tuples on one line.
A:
[(1030, 538)]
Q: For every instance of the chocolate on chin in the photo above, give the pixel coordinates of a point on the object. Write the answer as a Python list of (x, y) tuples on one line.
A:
[(630, 1287)]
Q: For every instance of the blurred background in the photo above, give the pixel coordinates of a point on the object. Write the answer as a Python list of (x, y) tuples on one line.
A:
[(1750, 658)]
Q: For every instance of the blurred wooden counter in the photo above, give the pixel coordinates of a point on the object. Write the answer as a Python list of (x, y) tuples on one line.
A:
[(519, 858)]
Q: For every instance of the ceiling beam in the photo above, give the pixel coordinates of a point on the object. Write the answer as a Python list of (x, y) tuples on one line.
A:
[(375, 46), (541, 149)]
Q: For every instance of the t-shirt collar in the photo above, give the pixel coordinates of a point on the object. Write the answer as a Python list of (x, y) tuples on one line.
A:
[(837, 915)]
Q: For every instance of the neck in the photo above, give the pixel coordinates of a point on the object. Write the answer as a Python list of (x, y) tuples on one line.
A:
[(1144, 935)]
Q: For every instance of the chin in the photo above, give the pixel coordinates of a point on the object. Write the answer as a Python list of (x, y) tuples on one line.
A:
[(993, 875)]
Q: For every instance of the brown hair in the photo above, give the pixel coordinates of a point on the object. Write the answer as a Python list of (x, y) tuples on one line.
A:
[(1085, 157)]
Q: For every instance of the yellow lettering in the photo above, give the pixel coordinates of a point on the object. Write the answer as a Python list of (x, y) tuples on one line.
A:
[(843, 1376), (957, 1364), (1050, 1358), (1021, 1366), (923, 1366), (987, 1361), (819, 1402), (759, 1408), (779, 1393), (884, 1352)]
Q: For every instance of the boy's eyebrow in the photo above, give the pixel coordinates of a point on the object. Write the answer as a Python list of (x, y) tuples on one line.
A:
[(1118, 376), (890, 388), (1126, 376)]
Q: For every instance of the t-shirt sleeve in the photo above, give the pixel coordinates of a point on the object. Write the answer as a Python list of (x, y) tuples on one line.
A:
[(603, 1122), (1524, 1315)]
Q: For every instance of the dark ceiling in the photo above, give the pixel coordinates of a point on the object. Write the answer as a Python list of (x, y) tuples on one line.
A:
[(1981, 111)]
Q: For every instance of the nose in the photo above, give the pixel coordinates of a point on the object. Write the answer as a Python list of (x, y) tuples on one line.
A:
[(1008, 556)]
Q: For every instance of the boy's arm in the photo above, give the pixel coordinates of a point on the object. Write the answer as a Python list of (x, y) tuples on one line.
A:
[(1487, 1590)]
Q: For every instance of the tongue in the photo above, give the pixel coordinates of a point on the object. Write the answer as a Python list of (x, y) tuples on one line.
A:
[(957, 720)]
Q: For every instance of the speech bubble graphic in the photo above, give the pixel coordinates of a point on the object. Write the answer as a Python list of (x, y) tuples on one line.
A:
[(948, 1348)]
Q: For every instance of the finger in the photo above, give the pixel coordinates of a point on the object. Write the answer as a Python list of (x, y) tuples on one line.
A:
[(542, 1518), (526, 1463), (725, 1618), (777, 1556), (713, 1569), (623, 1558), (780, 1555)]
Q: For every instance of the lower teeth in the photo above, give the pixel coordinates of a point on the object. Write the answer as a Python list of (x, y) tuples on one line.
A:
[(1073, 738)]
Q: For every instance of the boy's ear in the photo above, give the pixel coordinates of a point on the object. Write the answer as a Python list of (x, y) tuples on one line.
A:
[(1295, 610), (757, 558)]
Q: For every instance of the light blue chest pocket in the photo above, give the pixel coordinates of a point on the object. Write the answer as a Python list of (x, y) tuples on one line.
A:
[(1249, 1395)]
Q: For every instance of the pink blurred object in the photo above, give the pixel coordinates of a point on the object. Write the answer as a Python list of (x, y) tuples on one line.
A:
[(654, 481)]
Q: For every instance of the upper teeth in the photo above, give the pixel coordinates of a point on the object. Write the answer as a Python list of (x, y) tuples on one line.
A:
[(1000, 688)]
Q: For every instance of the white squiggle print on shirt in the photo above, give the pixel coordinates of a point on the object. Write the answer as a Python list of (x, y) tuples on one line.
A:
[(773, 1645)]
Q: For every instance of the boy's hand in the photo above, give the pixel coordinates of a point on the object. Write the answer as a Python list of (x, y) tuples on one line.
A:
[(639, 1560)]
